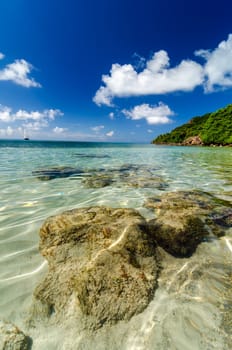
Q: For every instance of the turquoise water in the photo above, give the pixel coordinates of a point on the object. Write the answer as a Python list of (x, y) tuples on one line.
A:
[(26, 201)]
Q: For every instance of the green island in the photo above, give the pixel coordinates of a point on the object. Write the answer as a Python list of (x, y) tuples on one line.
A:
[(210, 129)]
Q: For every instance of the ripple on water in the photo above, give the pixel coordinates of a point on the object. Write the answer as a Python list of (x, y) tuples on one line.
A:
[(192, 307)]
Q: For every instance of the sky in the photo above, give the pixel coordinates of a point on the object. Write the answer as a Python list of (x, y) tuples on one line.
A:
[(112, 71)]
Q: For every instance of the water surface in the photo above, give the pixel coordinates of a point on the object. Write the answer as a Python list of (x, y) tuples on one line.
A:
[(26, 201)]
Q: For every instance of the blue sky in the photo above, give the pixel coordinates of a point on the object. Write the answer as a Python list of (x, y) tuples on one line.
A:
[(111, 70)]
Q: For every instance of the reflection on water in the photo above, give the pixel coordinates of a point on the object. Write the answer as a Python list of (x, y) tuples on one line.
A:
[(192, 307)]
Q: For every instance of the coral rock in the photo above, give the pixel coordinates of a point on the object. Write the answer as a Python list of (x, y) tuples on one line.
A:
[(103, 264), (184, 219)]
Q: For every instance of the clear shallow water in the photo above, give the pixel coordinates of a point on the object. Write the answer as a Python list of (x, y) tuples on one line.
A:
[(25, 202)]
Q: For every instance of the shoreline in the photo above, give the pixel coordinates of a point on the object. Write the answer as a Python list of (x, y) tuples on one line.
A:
[(189, 145)]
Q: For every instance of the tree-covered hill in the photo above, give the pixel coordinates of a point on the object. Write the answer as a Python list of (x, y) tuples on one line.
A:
[(211, 128)]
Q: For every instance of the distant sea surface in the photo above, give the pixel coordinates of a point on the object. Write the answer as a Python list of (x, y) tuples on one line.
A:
[(134, 172)]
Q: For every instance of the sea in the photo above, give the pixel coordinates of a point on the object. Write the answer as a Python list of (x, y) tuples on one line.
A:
[(39, 179)]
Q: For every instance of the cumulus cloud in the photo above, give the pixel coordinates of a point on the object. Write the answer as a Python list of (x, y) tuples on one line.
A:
[(110, 133), (7, 115), (97, 128), (9, 131), (18, 72), (158, 77), (104, 96), (58, 130), (152, 114), (1, 56), (218, 66), (30, 122), (35, 126)]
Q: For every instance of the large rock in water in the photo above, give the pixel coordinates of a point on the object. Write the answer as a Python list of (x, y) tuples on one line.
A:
[(12, 338), (103, 263), (184, 219)]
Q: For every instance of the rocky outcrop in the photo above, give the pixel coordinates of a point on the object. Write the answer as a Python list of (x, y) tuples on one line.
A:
[(214, 128), (184, 219), (193, 141), (103, 264), (12, 338)]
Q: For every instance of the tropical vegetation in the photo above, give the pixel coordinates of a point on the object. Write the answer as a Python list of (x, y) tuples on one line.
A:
[(212, 128)]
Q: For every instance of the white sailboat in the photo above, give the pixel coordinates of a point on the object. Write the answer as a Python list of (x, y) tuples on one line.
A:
[(25, 137)]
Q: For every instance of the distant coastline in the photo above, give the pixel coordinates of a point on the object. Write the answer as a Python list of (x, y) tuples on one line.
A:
[(190, 145), (212, 129)]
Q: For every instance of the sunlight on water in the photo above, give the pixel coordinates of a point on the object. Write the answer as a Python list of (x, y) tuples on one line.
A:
[(183, 315), (228, 244)]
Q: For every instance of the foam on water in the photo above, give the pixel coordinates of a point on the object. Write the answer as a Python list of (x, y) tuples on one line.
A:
[(184, 314)]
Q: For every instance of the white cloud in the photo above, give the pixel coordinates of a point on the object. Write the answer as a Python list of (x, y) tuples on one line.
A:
[(35, 126), (103, 96), (110, 133), (111, 115), (58, 130), (153, 114), (218, 66), (1, 56), (156, 78), (150, 131), (7, 115), (97, 128), (9, 131), (18, 72)]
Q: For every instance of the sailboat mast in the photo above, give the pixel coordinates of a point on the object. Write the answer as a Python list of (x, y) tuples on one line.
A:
[(25, 137)]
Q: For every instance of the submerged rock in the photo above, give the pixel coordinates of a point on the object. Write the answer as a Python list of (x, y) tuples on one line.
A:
[(184, 219), (12, 338), (55, 172), (128, 175), (103, 264), (145, 182), (180, 241), (98, 180), (86, 155)]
